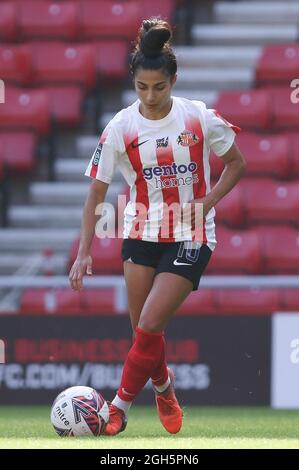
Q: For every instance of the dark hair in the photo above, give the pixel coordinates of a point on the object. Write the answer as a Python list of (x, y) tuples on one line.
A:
[(153, 48)]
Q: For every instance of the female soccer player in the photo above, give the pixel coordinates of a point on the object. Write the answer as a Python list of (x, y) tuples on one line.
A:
[(161, 145)]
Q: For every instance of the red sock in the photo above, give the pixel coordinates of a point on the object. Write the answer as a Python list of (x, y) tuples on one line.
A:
[(160, 374), (141, 362)]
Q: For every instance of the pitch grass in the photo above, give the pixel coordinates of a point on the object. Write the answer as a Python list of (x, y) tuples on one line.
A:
[(204, 428)]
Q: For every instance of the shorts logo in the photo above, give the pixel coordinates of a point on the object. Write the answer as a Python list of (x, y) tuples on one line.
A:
[(97, 155), (162, 142), (187, 139)]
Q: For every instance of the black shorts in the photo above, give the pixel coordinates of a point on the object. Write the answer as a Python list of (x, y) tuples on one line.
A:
[(187, 259)]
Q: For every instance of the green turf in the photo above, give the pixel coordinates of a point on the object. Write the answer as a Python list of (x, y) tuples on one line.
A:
[(204, 428)]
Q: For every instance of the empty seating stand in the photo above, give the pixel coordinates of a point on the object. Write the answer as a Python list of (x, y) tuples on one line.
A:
[(25, 109), (8, 21), (109, 19), (240, 252), (278, 64), (17, 151), (270, 201), (50, 301), (48, 19), (16, 64), (248, 109)]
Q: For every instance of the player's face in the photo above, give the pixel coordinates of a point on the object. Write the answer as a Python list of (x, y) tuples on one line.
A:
[(153, 88)]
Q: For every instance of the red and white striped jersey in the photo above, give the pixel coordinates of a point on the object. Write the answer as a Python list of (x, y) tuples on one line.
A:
[(165, 162)]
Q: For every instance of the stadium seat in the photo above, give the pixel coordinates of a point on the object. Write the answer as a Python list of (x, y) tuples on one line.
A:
[(60, 63), (65, 104), (290, 299), (99, 301), (280, 248), (25, 109), (199, 302), (293, 139), (278, 64), (16, 64), (271, 201), (285, 113), (111, 58), (17, 150), (8, 21), (246, 109), (111, 19), (155, 7), (106, 255), (237, 252), (48, 19), (253, 301), (230, 210), (265, 154), (50, 301)]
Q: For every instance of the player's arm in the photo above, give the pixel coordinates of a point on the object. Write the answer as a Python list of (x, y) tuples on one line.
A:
[(83, 262), (234, 169)]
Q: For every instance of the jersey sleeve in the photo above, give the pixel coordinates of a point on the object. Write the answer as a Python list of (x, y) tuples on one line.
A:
[(104, 160), (221, 133)]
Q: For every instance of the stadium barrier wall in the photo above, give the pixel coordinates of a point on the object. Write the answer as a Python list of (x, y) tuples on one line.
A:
[(217, 360)]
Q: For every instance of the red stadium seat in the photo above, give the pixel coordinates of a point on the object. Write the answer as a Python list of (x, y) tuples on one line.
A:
[(293, 139), (99, 301), (65, 104), (199, 302), (290, 299), (278, 64), (155, 7), (25, 109), (110, 19), (18, 150), (285, 113), (247, 109), (8, 21), (16, 64), (106, 255), (111, 58), (280, 247), (271, 201), (230, 209), (48, 19), (50, 301), (60, 63), (265, 155), (254, 301), (237, 252)]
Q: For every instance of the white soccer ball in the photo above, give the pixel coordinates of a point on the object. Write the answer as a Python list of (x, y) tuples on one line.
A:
[(79, 411)]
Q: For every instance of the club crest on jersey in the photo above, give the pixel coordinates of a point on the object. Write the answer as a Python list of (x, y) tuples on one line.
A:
[(162, 142), (187, 139), (97, 155)]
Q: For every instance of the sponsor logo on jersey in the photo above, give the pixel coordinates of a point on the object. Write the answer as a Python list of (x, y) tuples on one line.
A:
[(169, 170), (162, 142), (187, 139), (97, 155)]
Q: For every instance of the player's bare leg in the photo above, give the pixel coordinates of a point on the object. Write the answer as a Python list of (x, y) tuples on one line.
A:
[(139, 281)]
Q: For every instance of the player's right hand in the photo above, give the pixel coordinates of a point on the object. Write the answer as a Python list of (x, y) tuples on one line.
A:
[(80, 267)]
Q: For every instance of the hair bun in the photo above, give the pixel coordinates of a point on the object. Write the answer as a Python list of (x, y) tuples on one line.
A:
[(154, 35)]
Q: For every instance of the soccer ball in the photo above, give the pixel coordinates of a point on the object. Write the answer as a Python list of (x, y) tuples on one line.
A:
[(79, 411)]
